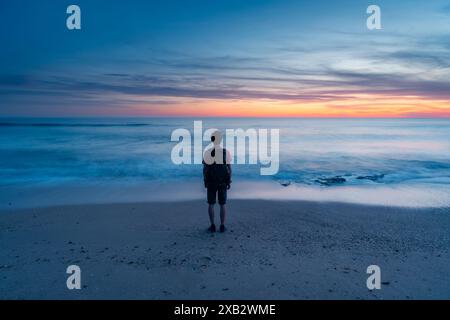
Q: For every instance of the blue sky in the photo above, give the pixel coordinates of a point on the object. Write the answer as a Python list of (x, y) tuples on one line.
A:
[(146, 57)]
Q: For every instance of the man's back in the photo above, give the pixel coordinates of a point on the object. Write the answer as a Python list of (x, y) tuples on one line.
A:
[(217, 170)]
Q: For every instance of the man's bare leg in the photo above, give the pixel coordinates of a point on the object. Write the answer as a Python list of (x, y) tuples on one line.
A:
[(223, 214), (211, 213)]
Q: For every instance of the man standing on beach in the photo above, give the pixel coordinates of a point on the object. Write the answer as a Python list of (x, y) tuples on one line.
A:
[(217, 178)]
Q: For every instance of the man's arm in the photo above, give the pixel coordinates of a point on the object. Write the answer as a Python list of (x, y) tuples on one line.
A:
[(229, 176), (205, 174), (229, 159)]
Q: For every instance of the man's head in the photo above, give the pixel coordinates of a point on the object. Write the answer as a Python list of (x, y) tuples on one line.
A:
[(216, 137)]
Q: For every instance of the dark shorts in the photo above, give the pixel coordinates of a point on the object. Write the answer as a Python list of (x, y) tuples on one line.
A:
[(221, 193)]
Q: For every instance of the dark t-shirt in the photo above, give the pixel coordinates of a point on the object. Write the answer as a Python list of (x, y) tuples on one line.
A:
[(216, 174)]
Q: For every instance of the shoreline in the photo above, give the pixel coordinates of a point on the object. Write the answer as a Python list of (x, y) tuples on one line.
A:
[(272, 250), (34, 195)]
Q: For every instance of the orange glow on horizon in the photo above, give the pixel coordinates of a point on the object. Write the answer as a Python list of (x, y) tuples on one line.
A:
[(362, 106)]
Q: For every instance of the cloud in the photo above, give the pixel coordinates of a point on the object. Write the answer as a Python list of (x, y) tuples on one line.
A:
[(341, 85), (314, 75)]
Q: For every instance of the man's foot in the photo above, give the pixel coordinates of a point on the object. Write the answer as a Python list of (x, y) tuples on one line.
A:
[(212, 228), (222, 228)]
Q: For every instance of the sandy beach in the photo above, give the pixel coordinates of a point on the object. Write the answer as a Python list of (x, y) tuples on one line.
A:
[(272, 250)]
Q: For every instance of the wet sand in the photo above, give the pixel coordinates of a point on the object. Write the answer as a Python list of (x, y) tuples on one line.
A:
[(272, 250)]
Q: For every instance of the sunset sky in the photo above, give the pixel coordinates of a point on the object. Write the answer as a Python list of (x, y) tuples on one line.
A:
[(225, 58)]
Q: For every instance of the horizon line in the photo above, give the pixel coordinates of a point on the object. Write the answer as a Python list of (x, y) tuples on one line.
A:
[(224, 117)]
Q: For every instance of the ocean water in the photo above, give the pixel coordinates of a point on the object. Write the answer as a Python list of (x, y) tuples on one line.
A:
[(330, 156)]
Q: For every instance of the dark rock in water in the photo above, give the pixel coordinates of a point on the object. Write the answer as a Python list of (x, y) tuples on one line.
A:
[(374, 177), (285, 184), (331, 181)]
